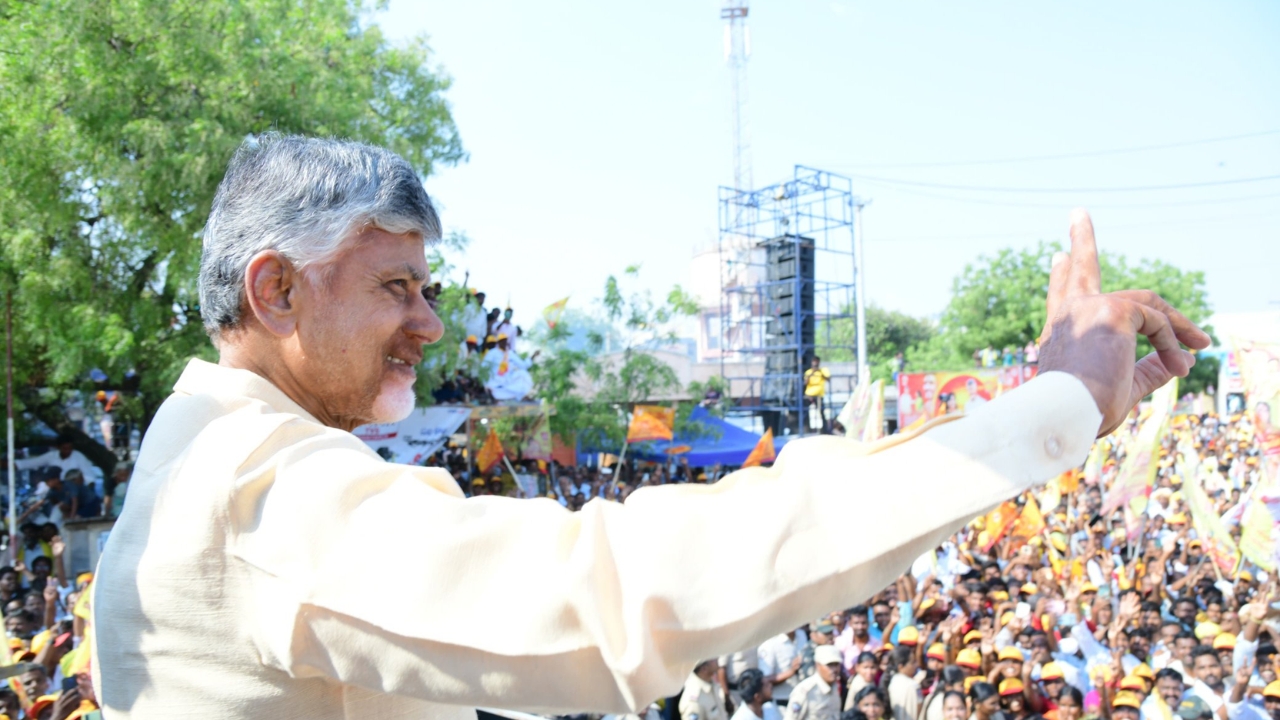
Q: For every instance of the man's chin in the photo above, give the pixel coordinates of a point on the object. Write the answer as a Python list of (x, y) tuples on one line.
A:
[(393, 405)]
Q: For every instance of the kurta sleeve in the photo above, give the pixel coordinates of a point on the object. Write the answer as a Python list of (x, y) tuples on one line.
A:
[(384, 577)]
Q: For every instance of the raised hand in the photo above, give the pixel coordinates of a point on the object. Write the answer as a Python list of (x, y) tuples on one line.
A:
[(1094, 336)]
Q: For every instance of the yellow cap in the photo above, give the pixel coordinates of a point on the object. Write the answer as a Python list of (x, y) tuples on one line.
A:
[(1144, 671), (1052, 671), (969, 658), (1133, 682), (1010, 686), (1089, 588), (1208, 630), (969, 681), (1127, 699), (1010, 653), (937, 651), (908, 636), (1225, 641), (1272, 690), (1000, 595), (40, 704), (972, 636)]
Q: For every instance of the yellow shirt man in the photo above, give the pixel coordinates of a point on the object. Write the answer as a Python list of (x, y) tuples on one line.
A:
[(815, 381)]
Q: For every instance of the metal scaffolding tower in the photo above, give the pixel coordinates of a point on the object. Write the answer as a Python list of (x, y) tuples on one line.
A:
[(789, 271)]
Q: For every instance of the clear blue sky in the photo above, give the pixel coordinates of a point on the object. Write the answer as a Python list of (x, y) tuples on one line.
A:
[(599, 131)]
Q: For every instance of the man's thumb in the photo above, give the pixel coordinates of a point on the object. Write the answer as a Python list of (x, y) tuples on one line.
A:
[(1148, 375)]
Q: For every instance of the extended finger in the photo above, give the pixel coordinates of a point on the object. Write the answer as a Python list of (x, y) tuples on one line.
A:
[(1187, 332), (1059, 271), (1156, 327), (1086, 277)]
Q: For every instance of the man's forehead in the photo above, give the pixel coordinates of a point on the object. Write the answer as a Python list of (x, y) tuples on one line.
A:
[(388, 252)]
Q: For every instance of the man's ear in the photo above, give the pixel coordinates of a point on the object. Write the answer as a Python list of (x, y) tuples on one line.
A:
[(270, 283)]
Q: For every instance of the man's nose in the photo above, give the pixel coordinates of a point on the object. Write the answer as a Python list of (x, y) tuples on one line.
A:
[(424, 324)]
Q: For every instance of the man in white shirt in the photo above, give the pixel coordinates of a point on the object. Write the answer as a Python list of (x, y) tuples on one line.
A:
[(780, 662), (63, 456), (236, 583)]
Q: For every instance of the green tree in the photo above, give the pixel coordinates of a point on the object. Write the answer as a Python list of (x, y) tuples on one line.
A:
[(639, 323), (117, 120), (1000, 301), (889, 332)]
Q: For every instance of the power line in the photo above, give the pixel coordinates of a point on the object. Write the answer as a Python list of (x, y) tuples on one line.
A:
[(1063, 156), (1136, 188), (1071, 203), (1040, 234)]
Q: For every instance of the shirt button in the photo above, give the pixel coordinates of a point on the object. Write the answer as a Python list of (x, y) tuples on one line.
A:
[(1053, 447)]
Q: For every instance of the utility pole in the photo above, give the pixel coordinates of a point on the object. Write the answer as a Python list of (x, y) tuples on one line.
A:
[(8, 382), (860, 290), (737, 48)]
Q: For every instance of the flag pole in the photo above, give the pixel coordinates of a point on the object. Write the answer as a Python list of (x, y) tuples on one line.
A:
[(8, 383), (613, 484), (512, 470)]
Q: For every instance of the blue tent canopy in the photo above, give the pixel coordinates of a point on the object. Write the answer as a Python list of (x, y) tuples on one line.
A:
[(719, 443)]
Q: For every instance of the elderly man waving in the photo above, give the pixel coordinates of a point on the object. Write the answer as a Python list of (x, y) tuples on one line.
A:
[(270, 565)]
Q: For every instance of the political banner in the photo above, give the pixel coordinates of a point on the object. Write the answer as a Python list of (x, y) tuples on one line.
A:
[(1259, 364), (416, 438), (1260, 370), (924, 396)]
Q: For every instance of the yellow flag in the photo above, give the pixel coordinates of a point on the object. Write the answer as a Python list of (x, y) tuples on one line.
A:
[(874, 427), (651, 422), (491, 453), (554, 311), (1255, 535), (998, 522), (1030, 523), (763, 451)]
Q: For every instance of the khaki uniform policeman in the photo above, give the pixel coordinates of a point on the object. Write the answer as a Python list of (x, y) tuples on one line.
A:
[(818, 697), (701, 699)]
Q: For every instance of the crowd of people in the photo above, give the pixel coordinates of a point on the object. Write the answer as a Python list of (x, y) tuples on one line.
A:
[(1089, 617), (46, 658), (989, 357), (490, 369)]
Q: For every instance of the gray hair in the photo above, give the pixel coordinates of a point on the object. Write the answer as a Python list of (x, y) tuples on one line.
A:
[(303, 197)]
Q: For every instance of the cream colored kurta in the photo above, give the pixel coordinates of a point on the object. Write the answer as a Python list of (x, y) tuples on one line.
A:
[(267, 566)]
